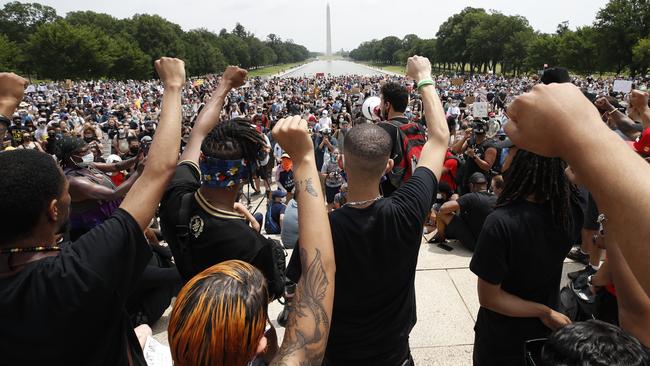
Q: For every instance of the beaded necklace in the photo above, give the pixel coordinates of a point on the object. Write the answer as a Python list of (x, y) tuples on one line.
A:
[(37, 249)]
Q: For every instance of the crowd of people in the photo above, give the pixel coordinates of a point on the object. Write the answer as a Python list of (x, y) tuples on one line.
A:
[(121, 196)]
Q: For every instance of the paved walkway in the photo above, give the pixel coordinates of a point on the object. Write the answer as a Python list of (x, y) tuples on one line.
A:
[(447, 304)]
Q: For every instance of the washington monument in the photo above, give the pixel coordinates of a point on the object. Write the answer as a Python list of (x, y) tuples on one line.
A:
[(329, 33)]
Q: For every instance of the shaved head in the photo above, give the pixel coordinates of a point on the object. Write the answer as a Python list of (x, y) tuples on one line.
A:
[(367, 150)]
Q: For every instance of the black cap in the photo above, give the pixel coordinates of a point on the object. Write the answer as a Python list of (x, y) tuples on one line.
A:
[(555, 75), (477, 178)]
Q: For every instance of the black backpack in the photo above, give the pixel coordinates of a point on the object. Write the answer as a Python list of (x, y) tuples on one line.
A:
[(276, 274), (574, 307)]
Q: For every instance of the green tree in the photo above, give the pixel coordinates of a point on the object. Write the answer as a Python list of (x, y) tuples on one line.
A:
[(620, 25), (9, 54), (129, 61), (59, 51), (109, 24), (202, 56), (578, 50), (544, 49), (641, 55), (19, 20), (157, 37)]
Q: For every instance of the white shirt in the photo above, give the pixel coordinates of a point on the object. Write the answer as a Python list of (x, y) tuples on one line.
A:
[(324, 122)]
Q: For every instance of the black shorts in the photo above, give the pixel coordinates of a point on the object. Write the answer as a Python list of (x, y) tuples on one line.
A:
[(459, 229), (263, 171), (591, 215), (330, 193)]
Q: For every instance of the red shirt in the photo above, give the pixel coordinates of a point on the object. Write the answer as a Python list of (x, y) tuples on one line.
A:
[(451, 165)]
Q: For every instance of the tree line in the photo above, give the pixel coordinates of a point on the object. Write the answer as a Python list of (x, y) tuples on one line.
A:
[(35, 40), (476, 40)]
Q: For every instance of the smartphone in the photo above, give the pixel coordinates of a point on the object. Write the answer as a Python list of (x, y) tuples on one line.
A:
[(445, 247)]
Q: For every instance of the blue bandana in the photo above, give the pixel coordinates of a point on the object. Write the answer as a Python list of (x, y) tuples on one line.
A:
[(219, 173)]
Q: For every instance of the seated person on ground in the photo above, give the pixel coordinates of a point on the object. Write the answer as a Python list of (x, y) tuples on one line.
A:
[(463, 219)]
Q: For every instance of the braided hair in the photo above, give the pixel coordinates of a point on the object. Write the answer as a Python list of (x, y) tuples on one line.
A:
[(66, 146), (544, 180), (235, 139)]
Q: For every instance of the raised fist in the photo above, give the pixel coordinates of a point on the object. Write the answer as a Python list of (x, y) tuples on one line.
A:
[(547, 120), (418, 68), (234, 76), (171, 71), (12, 88), (293, 136)]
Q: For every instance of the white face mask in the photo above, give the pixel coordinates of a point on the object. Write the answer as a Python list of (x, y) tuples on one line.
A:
[(88, 158)]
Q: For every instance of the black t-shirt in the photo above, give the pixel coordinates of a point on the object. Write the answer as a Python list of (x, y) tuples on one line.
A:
[(475, 207), (376, 252), (471, 167), (69, 309), (215, 235), (523, 250)]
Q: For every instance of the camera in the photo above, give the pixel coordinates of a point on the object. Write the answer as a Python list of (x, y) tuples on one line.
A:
[(479, 126)]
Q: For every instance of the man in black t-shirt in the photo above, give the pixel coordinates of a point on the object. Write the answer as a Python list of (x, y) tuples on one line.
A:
[(464, 218), (377, 240), (197, 213), (64, 303)]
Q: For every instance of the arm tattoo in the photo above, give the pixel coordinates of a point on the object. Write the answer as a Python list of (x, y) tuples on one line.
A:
[(308, 186), (307, 329)]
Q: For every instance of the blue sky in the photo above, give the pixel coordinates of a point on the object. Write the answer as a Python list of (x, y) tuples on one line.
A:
[(353, 21)]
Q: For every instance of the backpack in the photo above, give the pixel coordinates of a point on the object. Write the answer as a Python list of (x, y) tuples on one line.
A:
[(574, 307), (270, 226), (406, 154)]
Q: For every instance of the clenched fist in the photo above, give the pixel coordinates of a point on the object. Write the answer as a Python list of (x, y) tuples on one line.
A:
[(293, 136), (418, 68), (547, 120), (12, 88), (234, 77), (171, 71)]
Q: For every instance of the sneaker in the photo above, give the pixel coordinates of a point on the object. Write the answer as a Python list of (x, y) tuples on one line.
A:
[(587, 271), (577, 255), (436, 240), (284, 316)]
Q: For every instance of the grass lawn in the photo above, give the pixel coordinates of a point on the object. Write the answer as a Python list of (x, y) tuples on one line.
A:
[(272, 70), (398, 69)]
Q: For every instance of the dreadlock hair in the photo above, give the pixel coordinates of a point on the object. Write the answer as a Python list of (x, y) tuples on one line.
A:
[(235, 139), (219, 316), (544, 179)]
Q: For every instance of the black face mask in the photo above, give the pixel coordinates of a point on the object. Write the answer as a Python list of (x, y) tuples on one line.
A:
[(88, 139), (134, 150)]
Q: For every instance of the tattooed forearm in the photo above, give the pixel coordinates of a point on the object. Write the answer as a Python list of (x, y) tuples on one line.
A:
[(307, 329), (308, 186)]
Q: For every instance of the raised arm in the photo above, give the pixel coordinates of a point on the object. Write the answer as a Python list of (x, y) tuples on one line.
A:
[(633, 303), (433, 152), (572, 129), (233, 77), (305, 337), (143, 198)]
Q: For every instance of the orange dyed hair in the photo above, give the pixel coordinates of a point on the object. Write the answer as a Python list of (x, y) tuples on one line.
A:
[(219, 316)]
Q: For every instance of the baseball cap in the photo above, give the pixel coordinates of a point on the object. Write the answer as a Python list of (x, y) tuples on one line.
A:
[(556, 75), (477, 178), (278, 193), (642, 145)]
